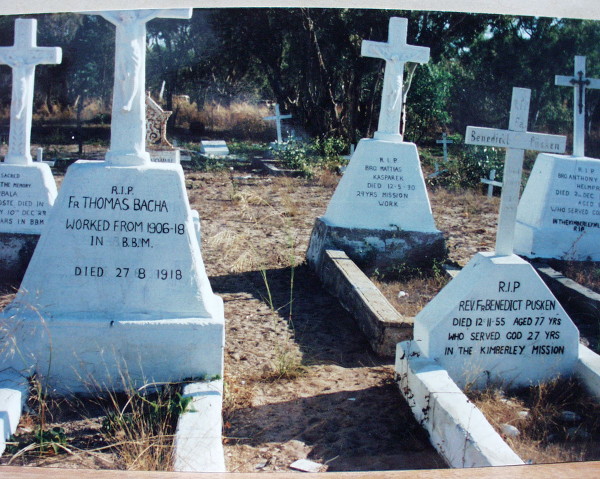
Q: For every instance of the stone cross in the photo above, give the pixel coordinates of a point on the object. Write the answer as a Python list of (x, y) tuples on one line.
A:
[(580, 83), (128, 126), (278, 117), (491, 183), (22, 57), (516, 140), (396, 52)]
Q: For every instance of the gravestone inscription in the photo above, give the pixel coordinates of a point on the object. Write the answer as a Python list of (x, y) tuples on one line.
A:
[(559, 213), (140, 306), (27, 188), (380, 213), (498, 315)]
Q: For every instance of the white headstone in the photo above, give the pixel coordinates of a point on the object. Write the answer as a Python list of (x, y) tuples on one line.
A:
[(27, 188), (580, 83), (116, 291), (559, 212), (516, 140), (214, 148), (161, 151), (396, 52), (277, 119), (380, 213), (497, 320)]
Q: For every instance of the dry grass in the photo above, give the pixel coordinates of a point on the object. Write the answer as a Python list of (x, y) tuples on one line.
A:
[(411, 293), (541, 414), (586, 273)]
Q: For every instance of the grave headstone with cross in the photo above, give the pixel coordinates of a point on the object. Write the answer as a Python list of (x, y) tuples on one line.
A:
[(277, 119), (118, 276), (497, 321), (559, 214), (380, 213), (160, 149), (27, 188)]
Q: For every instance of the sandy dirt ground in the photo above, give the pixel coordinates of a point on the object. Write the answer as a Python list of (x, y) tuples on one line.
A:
[(300, 378)]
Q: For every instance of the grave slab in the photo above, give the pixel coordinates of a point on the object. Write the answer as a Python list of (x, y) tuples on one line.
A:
[(559, 213), (214, 148)]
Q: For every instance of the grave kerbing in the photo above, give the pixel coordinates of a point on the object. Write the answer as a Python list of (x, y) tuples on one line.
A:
[(27, 188), (495, 324), (559, 213), (116, 294), (380, 213)]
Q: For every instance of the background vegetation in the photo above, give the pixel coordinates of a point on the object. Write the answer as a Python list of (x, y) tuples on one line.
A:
[(308, 60)]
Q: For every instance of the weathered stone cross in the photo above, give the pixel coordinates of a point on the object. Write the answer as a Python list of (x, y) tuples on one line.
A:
[(396, 52), (128, 126), (580, 83), (22, 57), (278, 117), (516, 140)]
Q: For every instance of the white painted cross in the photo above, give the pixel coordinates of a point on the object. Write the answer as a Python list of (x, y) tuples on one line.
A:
[(22, 57), (516, 140), (580, 83), (396, 52), (491, 183), (278, 117), (128, 125)]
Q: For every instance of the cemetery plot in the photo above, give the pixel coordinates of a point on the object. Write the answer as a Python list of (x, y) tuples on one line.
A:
[(312, 380)]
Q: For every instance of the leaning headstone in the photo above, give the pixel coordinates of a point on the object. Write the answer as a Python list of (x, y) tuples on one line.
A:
[(497, 321), (161, 151), (215, 148), (116, 294), (277, 119), (380, 213), (27, 188), (559, 213)]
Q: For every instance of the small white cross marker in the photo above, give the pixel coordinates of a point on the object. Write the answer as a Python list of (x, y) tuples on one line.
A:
[(396, 52), (277, 118), (22, 57), (491, 182), (580, 83), (516, 140)]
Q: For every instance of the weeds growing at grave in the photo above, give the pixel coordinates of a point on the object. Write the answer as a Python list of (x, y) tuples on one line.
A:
[(141, 425), (311, 156), (556, 421)]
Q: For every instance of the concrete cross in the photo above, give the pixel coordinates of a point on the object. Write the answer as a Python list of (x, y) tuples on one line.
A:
[(396, 52), (128, 125), (580, 83), (516, 140), (278, 117), (22, 57), (491, 183)]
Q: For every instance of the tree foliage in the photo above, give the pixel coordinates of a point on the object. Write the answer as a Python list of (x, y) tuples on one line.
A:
[(308, 60)]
